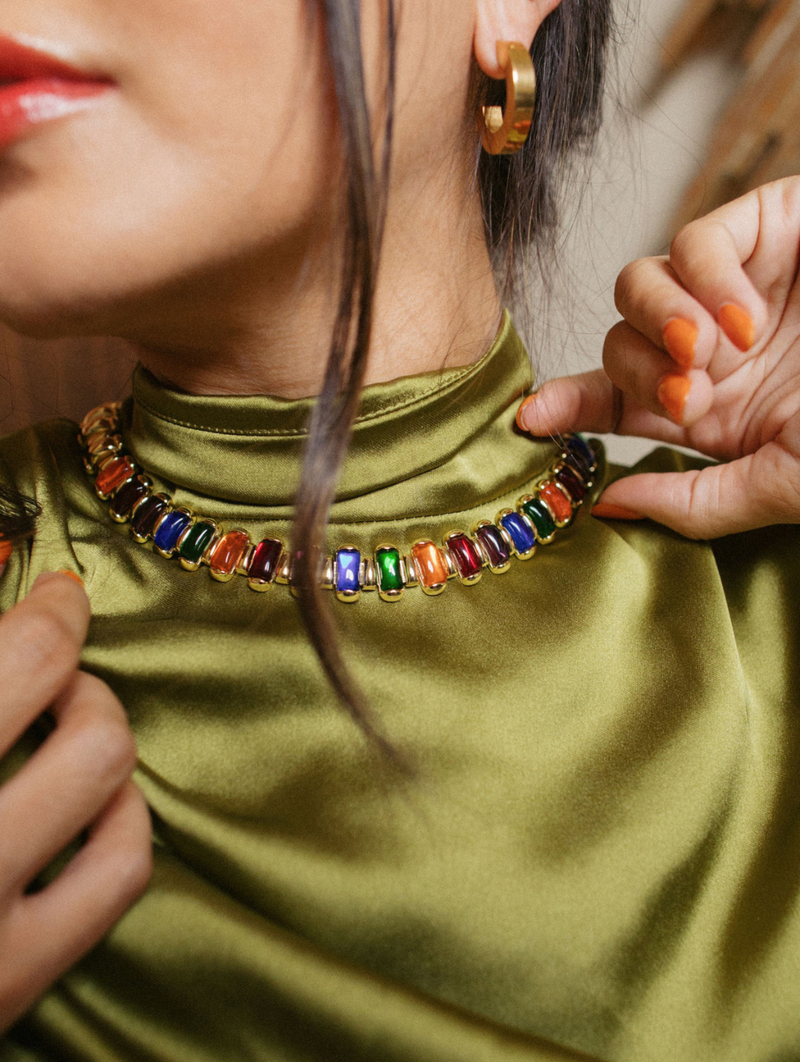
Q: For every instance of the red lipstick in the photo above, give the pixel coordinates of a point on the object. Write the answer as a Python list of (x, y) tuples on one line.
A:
[(36, 87)]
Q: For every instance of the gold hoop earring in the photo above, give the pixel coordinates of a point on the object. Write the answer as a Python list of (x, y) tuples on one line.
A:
[(506, 133)]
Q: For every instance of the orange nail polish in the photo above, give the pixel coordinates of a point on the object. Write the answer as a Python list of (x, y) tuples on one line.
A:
[(737, 324), (6, 549), (680, 339), (71, 575), (520, 411), (607, 511), (672, 394)]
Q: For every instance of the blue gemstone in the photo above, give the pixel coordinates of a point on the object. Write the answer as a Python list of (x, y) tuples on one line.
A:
[(170, 531), (580, 446), (521, 535), (348, 562)]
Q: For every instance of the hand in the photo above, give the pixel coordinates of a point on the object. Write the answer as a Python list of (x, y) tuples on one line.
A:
[(78, 778), (708, 356)]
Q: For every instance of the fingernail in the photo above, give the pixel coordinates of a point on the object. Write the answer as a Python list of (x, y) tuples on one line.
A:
[(672, 394), (607, 511), (520, 413), (737, 324), (680, 339), (45, 577), (71, 575)]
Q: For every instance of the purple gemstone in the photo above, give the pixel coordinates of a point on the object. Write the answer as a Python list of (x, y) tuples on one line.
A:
[(570, 482), (495, 545), (578, 445), (578, 465)]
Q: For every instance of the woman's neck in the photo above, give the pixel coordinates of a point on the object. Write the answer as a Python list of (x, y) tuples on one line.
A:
[(265, 326)]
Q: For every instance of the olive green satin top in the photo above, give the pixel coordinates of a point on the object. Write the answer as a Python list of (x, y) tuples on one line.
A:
[(598, 852)]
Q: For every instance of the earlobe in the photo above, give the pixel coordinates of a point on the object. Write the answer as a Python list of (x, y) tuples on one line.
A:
[(506, 20)]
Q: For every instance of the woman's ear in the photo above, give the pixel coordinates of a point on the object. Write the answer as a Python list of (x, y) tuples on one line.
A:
[(506, 20)]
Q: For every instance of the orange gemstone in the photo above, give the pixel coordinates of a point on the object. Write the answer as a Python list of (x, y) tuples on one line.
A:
[(113, 474), (227, 554), (430, 564), (558, 504)]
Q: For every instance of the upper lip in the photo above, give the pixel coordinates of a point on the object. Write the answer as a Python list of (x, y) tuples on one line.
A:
[(20, 62)]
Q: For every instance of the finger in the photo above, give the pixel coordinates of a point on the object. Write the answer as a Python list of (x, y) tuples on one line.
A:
[(754, 491), (54, 928), (40, 643), (68, 781), (653, 301), (648, 375), (589, 402), (708, 256)]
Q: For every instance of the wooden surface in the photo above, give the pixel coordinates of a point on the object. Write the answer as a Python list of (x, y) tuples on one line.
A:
[(63, 378)]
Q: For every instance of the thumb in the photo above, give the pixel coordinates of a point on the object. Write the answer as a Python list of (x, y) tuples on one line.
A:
[(754, 491), (587, 402)]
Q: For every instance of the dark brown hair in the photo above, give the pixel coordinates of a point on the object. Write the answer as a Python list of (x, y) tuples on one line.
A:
[(521, 198)]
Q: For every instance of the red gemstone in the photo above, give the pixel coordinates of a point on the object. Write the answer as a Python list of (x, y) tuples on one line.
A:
[(266, 556), (113, 474), (466, 555), (227, 554)]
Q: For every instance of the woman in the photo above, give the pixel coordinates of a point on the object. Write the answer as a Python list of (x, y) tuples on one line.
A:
[(566, 825)]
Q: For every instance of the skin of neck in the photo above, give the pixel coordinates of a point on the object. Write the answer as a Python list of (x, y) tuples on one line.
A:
[(264, 325)]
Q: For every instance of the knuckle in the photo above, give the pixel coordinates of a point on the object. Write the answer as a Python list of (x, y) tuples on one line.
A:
[(682, 243), (625, 284), (107, 743)]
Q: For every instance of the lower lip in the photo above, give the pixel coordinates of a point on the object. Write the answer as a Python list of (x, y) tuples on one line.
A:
[(28, 104)]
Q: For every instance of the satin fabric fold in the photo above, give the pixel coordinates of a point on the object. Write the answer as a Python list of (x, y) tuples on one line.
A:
[(596, 852)]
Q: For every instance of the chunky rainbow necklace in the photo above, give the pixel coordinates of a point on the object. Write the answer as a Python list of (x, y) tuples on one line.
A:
[(196, 540)]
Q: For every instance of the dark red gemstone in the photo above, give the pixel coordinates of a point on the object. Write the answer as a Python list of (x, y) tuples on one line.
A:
[(578, 466), (127, 496), (466, 555), (495, 545), (264, 564), (571, 483), (147, 515)]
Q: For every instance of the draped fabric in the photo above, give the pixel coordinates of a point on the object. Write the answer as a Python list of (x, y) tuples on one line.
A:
[(595, 851)]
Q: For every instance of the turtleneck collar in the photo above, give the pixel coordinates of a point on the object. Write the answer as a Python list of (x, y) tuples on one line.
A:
[(247, 450)]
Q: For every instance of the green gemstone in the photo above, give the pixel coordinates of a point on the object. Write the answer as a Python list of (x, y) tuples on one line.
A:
[(540, 517), (196, 542), (389, 574)]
